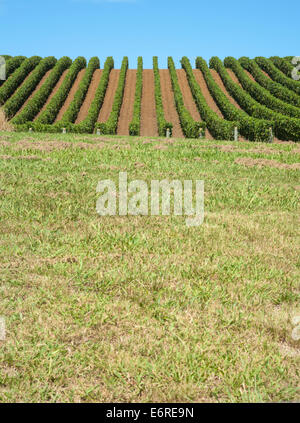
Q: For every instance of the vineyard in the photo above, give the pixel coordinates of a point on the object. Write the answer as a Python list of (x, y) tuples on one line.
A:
[(250, 99)]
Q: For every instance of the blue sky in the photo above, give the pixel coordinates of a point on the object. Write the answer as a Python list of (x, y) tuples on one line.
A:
[(149, 27)]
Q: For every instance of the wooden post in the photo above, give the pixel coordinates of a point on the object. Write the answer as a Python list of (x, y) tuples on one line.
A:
[(236, 134), (271, 139)]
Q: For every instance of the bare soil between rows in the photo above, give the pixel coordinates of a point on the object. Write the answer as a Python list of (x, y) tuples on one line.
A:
[(126, 112), (171, 114), (148, 108), (109, 95), (83, 112), (71, 95)]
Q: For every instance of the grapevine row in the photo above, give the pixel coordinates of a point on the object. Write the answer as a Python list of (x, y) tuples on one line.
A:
[(135, 124), (190, 127), (220, 128), (251, 128), (259, 93), (110, 126), (285, 128), (162, 124)]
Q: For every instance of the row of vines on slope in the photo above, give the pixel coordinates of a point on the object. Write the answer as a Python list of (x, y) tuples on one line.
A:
[(71, 113), (285, 128), (88, 124), (190, 127), (266, 101), (16, 101), (219, 128), (110, 126), (162, 124), (12, 63), (135, 124), (251, 128), (259, 93), (278, 76), (16, 79), (36, 103), (56, 102), (278, 90)]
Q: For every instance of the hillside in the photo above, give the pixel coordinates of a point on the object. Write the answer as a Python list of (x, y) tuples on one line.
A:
[(256, 96)]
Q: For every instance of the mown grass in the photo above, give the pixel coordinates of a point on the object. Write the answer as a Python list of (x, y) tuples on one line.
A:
[(137, 309)]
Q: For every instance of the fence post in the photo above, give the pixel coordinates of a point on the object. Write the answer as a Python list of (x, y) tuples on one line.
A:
[(236, 134), (271, 138), (2, 68)]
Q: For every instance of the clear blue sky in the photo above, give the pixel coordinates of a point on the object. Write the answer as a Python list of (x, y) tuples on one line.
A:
[(149, 27)]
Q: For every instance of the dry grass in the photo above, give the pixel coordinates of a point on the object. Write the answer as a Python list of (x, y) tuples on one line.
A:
[(4, 124)]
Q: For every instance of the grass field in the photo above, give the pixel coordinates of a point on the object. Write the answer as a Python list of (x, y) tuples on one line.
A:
[(138, 309)]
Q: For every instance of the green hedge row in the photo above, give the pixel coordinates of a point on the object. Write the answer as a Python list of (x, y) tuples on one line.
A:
[(251, 128), (53, 107), (220, 128), (190, 127), (289, 59), (278, 76), (111, 125), (36, 103), (285, 128), (71, 113), (135, 124), (16, 79), (88, 124), (283, 65), (12, 63), (274, 88), (16, 101), (259, 93), (162, 124)]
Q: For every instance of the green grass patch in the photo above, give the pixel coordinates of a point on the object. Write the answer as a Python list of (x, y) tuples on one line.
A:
[(138, 309)]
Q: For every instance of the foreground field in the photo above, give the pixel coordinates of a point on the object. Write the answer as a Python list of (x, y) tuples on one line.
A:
[(145, 308)]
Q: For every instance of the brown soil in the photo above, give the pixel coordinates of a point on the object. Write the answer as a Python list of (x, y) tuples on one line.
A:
[(170, 111), (126, 112), (249, 75), (54, 91), (109, 95), (188, 99), (265, 73), (221, 85), (89, 96), (187, 95), (36, 89), (148, 108), (209, 99), (219, 81), (71, 95), (234, 77)]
